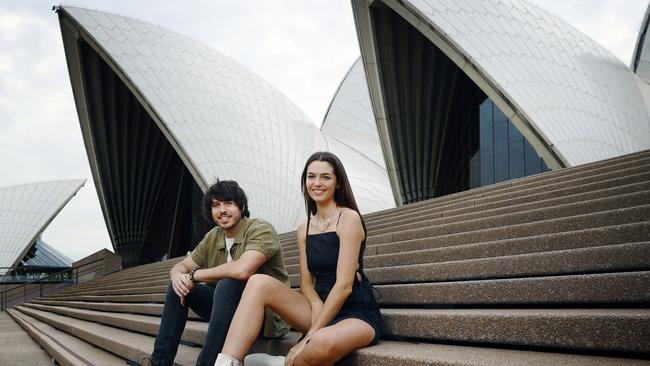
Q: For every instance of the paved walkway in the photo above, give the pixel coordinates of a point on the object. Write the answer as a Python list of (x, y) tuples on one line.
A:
[(17, 347)]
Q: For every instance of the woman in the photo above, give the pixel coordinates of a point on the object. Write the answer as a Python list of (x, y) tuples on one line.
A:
[(335, 308)]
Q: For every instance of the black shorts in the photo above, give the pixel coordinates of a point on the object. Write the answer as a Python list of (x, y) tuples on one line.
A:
[(370, 315)]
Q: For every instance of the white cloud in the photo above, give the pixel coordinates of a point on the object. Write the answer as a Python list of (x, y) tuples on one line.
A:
[(303, 47)]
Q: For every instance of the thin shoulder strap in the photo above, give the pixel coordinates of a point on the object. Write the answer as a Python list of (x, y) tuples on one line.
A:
[(307, 228), (339, 219)]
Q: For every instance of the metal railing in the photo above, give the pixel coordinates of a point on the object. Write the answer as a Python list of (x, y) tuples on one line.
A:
[(30, 273), (72, 275)]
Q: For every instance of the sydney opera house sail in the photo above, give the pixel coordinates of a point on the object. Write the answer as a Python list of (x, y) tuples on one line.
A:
[(465, 91), (351, 133), (163, 116), (25, 212)]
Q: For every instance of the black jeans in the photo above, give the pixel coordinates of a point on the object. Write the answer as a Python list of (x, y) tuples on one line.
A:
[(215, 304)]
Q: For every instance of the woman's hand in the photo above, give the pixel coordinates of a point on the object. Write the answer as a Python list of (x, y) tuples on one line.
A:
[(295, 351), (316, 307)]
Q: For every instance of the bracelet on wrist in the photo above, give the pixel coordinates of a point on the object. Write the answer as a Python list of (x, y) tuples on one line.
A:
[(192, 272)]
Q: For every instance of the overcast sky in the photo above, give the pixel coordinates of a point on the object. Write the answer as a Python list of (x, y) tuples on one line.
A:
[(301, 47)]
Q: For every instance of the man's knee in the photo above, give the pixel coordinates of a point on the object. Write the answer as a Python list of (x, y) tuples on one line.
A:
[(229, 286), (171, 294)]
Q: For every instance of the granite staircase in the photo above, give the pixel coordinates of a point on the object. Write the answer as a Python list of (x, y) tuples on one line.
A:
[(552, 269)]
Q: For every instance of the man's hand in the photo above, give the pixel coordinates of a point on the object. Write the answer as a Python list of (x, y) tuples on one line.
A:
[(182, 285)]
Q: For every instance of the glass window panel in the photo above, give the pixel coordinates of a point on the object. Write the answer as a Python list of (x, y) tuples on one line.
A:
[(501, 164), (517, 159), (475, 170), (514, 134), (533, 165), (487, 123), (501, 161), (487, 168), (44, 255)]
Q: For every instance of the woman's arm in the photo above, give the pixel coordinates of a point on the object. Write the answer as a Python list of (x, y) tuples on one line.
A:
[(350, 233), (306, 278)]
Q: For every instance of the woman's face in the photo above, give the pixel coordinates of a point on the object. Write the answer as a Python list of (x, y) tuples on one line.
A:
[(321, 182)]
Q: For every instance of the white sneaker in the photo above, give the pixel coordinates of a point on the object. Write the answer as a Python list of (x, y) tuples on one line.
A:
[(263, 359), (225, 360)]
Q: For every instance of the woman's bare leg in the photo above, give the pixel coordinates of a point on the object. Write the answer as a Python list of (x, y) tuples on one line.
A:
[(332, 343), (262, 290)]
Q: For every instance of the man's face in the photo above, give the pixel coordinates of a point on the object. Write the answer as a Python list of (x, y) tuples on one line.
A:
[(226, 214)]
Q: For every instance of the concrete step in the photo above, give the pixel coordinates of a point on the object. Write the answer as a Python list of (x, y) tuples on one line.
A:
[(160, 280), (544, 179), (613, 289), (128, 345), (614, 330), (595, 237), (565, 240), (526, 203), (619, 330), (476, 210), (462, 224), (621, 258), (113, 307), (428, 238), (140, 298), (65, 348), (608, 204), (631, 220), (125, 290), (194, 330), (416, 353), (18, 347), (384, 354), (636, 173), (130, 279), (107, 284), (422, 354)]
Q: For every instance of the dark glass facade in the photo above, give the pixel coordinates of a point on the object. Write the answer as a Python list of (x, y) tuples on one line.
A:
[(43, 255), (446, 135), (40, 261), (504, 153)]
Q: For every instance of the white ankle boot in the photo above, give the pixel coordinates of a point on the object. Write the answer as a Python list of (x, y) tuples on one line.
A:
[(225, 360), (262, 359)]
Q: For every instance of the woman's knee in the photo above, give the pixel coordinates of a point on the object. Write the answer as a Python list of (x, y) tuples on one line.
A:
[(259, 282), (319, 349)]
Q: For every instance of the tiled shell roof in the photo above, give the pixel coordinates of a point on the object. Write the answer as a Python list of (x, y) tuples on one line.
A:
[(577, 95), (26, 210), (352, 135), (224, 120)]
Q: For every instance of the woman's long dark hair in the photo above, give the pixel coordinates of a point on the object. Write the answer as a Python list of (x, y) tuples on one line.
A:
[(342, 195)]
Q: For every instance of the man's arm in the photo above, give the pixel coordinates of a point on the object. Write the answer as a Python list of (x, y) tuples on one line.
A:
[(179, 274), (240, 269)]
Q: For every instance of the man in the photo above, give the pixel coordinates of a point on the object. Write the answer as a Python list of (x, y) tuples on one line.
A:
[(227, 256)]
